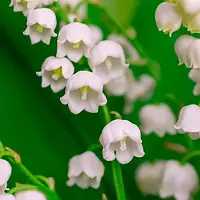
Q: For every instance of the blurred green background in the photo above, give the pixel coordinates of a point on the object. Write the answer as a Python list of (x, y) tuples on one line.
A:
[(46, 134)]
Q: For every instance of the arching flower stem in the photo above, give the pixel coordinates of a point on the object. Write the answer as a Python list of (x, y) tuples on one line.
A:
[(116, 168), (190, 156)]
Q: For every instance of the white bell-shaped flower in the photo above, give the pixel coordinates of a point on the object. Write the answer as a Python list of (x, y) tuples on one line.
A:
[(30, 195), (157, 118), (121, 140), (41, 23), (25, 5), (190, 7), (149, 177), (6, 197), (194, 24), (97, 34), (181, 48), (195, 76), (107, 60), (133, 55), (55, 72), (141, 89), (85, 170), (74, 40), (84, 91), (5, 172), (194, 54), (168, 18), (120, 86), (179, 181), (189, 121)]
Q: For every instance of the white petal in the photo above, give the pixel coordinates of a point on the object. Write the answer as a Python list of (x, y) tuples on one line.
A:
[(5, 171), (29, 195)]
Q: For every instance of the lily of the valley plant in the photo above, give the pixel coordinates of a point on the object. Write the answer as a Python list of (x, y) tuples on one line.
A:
[(88, 67)]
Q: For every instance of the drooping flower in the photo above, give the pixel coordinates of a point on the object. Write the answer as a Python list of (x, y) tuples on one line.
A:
[(190, 7), (194, 54), (189, 121), (179, 181), (131, 52), (97, 34), (168, 18), (55, 72), (6, 197), (194, 24), (195, 76), (157, 118), (120, 86), (5, 172), (181, 48), (121, 140), (84, 91), (149, 177), (25, 5), (30, 195), (85, 170), (41, 23), (107, 60), (74, 40), (141, 89)]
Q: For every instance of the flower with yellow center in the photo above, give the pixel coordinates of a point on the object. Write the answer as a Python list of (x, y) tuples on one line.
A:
[(84, 91), (41, 24), (25, 6), (121, 140), (108, 60), (74, 41), (55, 72)]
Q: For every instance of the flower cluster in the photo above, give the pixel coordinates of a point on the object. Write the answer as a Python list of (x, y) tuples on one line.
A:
[(171, 15), (167, 179)]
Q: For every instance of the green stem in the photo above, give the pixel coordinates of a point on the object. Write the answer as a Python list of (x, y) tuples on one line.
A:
[(189, 141), (117, 175), (94, 147), (116, 168), (22, 188), (190, 156)]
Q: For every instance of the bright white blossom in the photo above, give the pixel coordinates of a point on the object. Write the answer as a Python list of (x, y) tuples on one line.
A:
[(5, 172), (6, 197), (195, 76), (30, 195), (190, 7), (97, 33), (179, 181), (107, 60), (55, 72), (25, 5), (121, 140), (133, 55), (157, 118), (194, 54), (85, 170), (189, 121), (84, 91), (168, 18), (41, 23), (74, 40), (149, 177), (181, 48)]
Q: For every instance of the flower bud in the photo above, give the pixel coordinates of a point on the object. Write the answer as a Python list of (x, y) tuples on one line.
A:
[(194, 54), (190, 7)]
